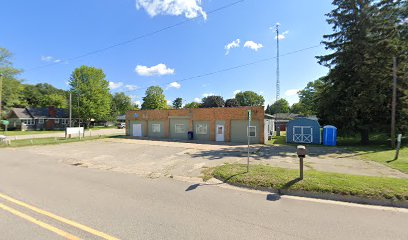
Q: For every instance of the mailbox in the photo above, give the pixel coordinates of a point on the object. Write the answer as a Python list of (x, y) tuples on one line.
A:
[(301, 151)]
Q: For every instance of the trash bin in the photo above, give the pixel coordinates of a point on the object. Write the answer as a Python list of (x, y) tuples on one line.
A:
[(190, 135)]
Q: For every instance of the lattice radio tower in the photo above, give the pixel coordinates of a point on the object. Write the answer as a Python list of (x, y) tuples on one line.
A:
[(277, 63)]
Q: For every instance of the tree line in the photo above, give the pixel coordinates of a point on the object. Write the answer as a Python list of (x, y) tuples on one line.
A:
[(356, 94)]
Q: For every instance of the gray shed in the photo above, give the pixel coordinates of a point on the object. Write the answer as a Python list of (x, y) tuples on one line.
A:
[(303, 130)]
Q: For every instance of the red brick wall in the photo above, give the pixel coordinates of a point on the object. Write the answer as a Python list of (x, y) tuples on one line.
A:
[(201, 114)]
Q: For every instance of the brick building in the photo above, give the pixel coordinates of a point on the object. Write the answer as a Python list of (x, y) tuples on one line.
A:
[(207, 124)]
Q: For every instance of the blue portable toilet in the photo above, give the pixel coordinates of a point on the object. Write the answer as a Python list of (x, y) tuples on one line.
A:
[(329, 135), (303, 130)]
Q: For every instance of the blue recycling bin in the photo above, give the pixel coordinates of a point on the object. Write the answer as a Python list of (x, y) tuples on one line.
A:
[(329, 135)]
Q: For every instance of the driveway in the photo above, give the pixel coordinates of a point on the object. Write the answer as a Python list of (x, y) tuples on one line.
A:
[(165, 158), (107, 131)]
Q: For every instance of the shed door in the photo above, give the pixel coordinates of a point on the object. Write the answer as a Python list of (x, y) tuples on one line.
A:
[(302, 134)]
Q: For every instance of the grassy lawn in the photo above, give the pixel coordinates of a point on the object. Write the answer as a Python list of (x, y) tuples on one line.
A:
[(378, 150), (49, 141), (18, 133), (384, 156), (262, 176)]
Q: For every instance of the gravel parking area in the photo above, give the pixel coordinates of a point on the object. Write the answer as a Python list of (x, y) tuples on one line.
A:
[(166, 158)]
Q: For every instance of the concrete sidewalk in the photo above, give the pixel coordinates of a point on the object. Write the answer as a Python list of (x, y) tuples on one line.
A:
[(109, 131)]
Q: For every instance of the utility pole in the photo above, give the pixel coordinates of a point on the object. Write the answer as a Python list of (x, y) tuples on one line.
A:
[(1, 91), (394, 100), (70, 109), (277, 63)]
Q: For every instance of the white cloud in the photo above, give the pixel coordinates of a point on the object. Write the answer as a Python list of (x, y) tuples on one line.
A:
[(197, 100), (282, 36), (131, 87), (291, 92), (233, 44), (236, 91), (208, 94), (50, 59), (173, 85), (169, 102), (115, 85), (137, 102), (188, 8), (253, 45), (158, 70)]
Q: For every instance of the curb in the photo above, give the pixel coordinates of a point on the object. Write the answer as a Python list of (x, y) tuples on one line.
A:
[(328, 196)]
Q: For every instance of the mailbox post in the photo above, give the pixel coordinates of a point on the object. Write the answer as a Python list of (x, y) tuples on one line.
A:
[(398, 146), (301, 152)]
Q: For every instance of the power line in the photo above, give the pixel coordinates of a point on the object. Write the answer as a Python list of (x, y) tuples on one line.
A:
[(136, 38), (230, 68)]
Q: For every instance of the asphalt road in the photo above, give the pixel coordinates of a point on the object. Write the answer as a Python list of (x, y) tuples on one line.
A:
[(45, 199)]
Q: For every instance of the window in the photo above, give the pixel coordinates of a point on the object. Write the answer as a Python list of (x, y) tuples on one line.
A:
[(41, 121), (28, 121), (155, 128), (201, 128), (179, 128), (220, 130), (251, 131)]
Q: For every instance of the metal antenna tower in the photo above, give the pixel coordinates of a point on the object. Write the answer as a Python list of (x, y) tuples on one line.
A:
[(277, 63)]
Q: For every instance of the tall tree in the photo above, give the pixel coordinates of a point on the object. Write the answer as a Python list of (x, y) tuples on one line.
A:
[(308, 98), (154, 99), (212, 102), (297, 108), (249, 98), (12, 88), (280, 106), (91, 90), (192, 105), (121, 103), (45, 95), (232, 102), (178, 103), (356, 92)]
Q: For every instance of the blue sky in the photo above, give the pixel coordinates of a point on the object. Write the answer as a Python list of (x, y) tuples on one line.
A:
[(45, 31)]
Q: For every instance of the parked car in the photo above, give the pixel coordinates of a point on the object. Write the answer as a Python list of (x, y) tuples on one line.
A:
[(121, 125)]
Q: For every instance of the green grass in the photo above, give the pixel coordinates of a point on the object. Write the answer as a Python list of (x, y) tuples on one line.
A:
[(49, 141), (384, 156), (278, 139), (262, 176), (19, 133)]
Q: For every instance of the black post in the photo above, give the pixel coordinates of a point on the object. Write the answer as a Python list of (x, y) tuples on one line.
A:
[(301, 167)]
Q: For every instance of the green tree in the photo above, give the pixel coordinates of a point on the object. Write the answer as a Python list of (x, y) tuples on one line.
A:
[(212, 102), (55, 100), (154, 99), (121, 103), (249, 98), (231, 103), (192, 105), (178, 103), (308, 98), (280, 106), (91, 90), (44, 95), (11, 90), (297, 108), (355, 95)]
